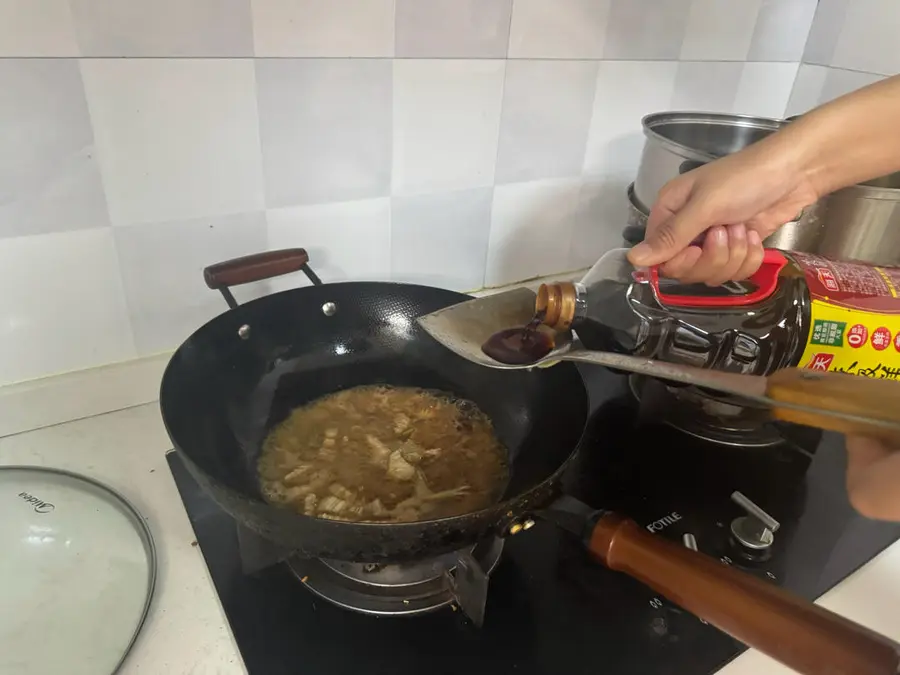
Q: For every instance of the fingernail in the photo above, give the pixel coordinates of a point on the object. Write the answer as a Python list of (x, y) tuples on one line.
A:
[(719, 236), (753, 238), (737, 232)]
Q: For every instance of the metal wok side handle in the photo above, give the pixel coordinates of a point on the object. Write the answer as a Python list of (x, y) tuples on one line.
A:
[(797, 633), (256, 267)]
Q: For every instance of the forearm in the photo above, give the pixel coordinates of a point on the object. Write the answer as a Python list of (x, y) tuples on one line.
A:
[(849, 140)]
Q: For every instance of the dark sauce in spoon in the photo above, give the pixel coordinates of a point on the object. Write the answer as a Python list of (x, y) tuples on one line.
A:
[(520, 346)]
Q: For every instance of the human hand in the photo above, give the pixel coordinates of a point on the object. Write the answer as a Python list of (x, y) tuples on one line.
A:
[(873, 478), (708, 225)]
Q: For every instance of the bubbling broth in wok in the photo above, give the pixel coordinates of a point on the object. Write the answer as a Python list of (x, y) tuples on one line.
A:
[(385, 454)]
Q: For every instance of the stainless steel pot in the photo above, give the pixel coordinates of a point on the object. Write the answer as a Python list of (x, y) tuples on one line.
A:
[(861, 222), (677, 142), (798, 235), (636, 225)]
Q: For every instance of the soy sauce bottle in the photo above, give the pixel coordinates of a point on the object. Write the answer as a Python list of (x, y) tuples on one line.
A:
[(797, 310)]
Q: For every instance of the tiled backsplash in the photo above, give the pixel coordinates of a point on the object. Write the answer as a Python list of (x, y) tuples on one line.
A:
[(459, 143), (852, 43)]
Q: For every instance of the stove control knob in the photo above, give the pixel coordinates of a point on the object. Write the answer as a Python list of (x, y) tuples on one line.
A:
[(756, 530)]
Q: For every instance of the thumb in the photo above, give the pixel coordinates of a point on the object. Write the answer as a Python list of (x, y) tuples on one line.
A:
[(668, 238)]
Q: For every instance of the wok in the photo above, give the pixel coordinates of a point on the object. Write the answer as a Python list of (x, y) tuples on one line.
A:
[(242, 372), (245, 370)]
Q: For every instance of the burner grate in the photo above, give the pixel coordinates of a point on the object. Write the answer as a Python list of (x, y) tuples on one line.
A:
[(704, 415), (458, 578)]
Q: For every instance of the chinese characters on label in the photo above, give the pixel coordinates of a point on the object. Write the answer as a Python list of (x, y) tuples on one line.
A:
[(854, 317), (857, 335), (881, 338), (879, 371), (830, 333), (826, 276), (820, 362)]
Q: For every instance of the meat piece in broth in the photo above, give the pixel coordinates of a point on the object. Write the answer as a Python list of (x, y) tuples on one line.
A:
[(388, 454), (398, 468)]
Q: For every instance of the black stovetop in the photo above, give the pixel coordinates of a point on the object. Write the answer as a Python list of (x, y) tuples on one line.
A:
[(549, 608)]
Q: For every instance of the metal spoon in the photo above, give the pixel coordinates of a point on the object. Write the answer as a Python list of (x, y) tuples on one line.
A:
[(837, 402)]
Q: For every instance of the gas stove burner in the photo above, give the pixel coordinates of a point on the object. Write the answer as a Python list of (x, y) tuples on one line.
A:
[(705, 415), (405, 589)]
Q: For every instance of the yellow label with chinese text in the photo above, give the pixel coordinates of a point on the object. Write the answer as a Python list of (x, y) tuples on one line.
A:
[(853, 341)]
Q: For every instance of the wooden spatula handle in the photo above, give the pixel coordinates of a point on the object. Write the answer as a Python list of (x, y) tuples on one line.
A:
[(797, 633), (837, 392)]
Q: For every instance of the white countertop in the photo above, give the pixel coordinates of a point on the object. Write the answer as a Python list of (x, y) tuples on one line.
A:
[(186, 631)]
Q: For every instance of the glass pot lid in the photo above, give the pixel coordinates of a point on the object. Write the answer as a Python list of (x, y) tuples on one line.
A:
[(77, 572)]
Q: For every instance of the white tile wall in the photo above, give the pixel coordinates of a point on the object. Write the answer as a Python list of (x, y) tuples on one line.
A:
[(163, 27), (451, 142), (825, 31), (807, 90), (599, 203), (325, 126), (646, 29), (169, 301), (452, 28), (839, 82), (49, 177), (625, 92), (852, 43), (441, 239), (63, 305), (531, 229), (562, 29), (546, 114), (345, 240), (176, 138), (337, 28), (37, 28), (706, 85), (868, 37), (778, 25), (448, 109), (719, 31), (764, 89)]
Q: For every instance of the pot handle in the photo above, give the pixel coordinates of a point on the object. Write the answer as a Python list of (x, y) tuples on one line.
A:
[(256, 267), (765, 279), (797, 633)]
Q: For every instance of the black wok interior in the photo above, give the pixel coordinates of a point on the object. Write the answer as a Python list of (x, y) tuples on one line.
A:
[(221, 394)]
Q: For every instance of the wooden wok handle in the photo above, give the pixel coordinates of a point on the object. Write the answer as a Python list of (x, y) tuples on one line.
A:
[(800, 635), (839, 392), (256, 267)]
